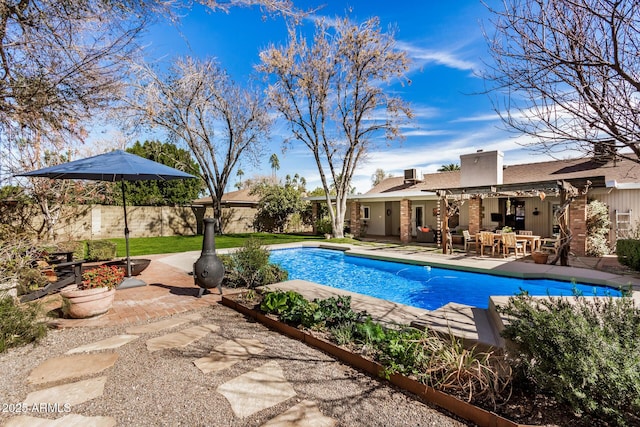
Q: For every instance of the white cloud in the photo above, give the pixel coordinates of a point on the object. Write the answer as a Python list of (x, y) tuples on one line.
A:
[(479, 118), (448, 58)]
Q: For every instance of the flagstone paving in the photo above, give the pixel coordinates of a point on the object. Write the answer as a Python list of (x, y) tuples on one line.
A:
[(70, 420), (172, 322), (68, 394), (256, 390), (304, 414), (105, 344), (180, 339), (228, 354), (69, 367), (261, 388)]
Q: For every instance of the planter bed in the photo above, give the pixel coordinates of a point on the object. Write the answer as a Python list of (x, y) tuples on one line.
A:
[(452, 404)]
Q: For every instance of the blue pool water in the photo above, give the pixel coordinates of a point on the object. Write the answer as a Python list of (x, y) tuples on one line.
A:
[(418, 286)]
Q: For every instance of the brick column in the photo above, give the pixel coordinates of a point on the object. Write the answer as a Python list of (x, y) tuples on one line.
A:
[(578, 225), (405, 221), (314, 216), (355, 219), (475, 215)]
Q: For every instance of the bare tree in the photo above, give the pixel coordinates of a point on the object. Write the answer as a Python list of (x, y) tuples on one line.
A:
[(331, 96), (196, 102), (379, 176), (570, 73)]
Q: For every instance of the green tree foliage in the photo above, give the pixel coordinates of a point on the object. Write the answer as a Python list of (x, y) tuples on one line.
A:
[(277, 203), (449, 167), (157, 193), (275, 164)]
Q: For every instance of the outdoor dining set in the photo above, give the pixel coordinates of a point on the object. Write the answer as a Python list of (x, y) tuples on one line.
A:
[(505, 243)]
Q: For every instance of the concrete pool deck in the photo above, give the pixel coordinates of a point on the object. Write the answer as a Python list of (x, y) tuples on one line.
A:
[(474, 325)]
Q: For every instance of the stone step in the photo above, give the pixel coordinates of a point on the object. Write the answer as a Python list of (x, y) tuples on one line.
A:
[(181, 338), (473, 325)]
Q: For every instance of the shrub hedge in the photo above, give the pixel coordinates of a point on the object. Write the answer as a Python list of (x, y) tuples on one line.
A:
[(100, 250), (19, 324), (583, 351), (628, 251)]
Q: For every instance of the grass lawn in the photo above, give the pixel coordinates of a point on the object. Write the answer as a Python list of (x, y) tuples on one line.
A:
[(173, 244)]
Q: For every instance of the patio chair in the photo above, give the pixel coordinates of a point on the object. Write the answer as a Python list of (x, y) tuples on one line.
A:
[(468, 241), (488, 241), (510, 242), (550, 245), (425, 234), (529, 242)]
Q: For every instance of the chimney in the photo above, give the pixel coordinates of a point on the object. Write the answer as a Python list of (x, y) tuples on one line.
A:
[(481, 168)]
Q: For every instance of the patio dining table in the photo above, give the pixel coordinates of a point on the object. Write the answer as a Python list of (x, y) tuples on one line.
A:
[(532, 241)]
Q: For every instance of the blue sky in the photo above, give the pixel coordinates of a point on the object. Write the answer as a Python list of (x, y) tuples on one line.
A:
[(445, 43)]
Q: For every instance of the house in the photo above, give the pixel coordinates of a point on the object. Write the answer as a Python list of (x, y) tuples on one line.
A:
[(491, 195), (238, 210)]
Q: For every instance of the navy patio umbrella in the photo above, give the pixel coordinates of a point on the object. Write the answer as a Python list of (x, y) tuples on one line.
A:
[(114, 166)]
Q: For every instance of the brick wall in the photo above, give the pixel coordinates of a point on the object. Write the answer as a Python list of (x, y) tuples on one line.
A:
[(475, 215), (405, 221), (578, 225), (355, 220)]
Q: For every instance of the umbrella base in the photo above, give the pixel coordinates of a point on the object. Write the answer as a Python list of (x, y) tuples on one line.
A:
[(131, 282)]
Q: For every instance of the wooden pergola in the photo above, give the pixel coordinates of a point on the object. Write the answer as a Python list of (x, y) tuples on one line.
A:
[(450, 201)]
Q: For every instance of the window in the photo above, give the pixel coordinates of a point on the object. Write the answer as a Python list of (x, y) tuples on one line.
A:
[(366, 212)]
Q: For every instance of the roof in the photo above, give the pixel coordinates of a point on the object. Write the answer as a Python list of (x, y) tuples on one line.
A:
[(621, 172), (232, 198)]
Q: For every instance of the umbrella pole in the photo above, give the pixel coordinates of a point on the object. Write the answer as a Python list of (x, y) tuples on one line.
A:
[(128, 282), (126, 230)]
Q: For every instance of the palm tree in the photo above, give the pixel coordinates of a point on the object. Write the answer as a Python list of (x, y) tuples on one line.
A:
[(239, 174), (275, 163), (449, 167)]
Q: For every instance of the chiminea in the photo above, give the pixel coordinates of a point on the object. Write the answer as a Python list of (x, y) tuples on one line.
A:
[(208, 270)]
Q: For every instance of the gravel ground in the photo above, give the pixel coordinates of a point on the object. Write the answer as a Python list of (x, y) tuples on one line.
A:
[(165, 388)]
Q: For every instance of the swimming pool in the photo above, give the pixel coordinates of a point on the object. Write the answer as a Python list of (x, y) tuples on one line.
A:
[(419, 286)]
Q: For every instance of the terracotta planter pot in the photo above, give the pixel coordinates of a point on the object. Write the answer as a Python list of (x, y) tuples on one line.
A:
[(83, 303), (540, 257)]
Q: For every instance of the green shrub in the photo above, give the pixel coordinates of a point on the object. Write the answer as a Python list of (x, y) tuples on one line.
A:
[(584, 351), (100, 250), (19, 325), (18, 264), (75, 246), (249, 267), (335, 311), (444, 364), (628, 251), (324, 226)]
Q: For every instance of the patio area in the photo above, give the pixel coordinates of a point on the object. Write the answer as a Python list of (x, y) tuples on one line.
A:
[(171, 290), (162, 338)]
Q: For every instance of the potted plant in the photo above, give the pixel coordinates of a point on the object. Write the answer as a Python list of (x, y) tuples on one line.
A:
[(94, 296), (540, 257)]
